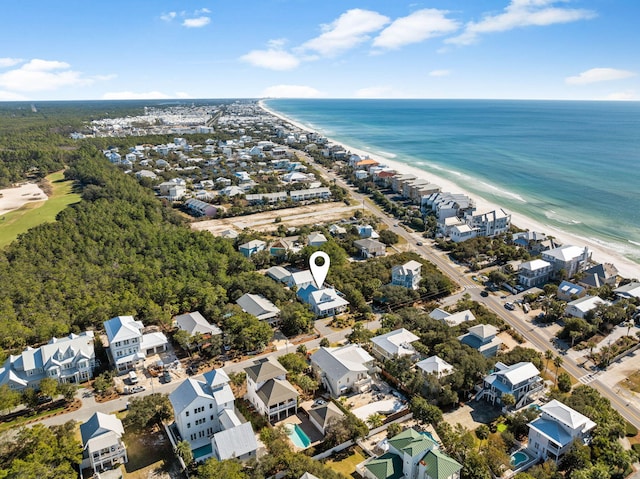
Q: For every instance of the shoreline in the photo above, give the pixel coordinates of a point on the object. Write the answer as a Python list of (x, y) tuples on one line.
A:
[(626, 268)]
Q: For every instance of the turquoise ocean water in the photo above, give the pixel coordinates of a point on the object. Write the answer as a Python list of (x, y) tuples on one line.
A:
[(574, 166)]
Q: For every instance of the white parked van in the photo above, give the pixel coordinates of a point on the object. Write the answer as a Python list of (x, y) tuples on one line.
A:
[(133, 377)]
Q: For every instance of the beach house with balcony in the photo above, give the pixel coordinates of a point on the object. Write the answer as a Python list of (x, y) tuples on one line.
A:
[(343, 369), (129, 345), (269, 391), (568, 258), (489, 224), (534, 273), (435, 365), (407, 275), (324, 301), (482, 337), (628, 291), (370, 248), (252, 247), (522, 380), (599, 275), (581, 306), (102, 444), (411, 455), (394, 344), (67, 360), (553, 432)]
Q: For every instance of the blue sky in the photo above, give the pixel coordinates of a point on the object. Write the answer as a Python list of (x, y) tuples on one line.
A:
[(521, 49)]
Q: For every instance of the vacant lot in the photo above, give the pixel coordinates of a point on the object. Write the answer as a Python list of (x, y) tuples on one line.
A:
[(289, 217)]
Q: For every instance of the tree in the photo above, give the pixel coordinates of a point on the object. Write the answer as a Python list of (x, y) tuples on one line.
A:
[(68, 391), (388, 237), (184, 339), (577, 457), (307, 384), (8, 398), (508, 400), (183, 449), (48, 387), (294, 363), (425, 412), (557, 362), (359, 334), (393, 430), (345, 428), (564, 382), (375, 420), (214, 469), (295, 318), (148, 411), (324, 343), (103, 382)]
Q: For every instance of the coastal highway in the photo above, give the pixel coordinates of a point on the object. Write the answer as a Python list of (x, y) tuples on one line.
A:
[(536, 336)]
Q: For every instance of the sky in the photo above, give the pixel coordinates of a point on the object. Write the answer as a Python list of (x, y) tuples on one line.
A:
[(493, 49)]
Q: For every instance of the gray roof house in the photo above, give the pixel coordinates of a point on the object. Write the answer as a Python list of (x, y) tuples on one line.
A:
[(128, 346), (435, 365), (321, 415), (102, 445), (370, 248), (195, 323), (522, 380), (343, 369), (269, 391), (483, 338), (394, 344), (260, 307)]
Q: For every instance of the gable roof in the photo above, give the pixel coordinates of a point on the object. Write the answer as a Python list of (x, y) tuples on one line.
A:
[(187, 392), (435, 365), (276, 391), (396, 342), (565, 415), (195, 323), (100, 424), (322, 414), (412, 442), (235, 442), (565, 253), (517, 373), (387, 466), (336, 362), (216, 378), (258, 306), (122, 327), (458, 318), (440, 466), (483, 331), (265, 369)]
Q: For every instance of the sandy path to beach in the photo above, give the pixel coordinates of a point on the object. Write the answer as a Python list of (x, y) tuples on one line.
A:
[(14, 198), (626, 267)]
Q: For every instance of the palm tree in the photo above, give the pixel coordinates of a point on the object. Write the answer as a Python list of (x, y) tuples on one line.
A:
[(557, 362), (591, 344), (183, 449), (375, 420), (548, 355), (629, 325)]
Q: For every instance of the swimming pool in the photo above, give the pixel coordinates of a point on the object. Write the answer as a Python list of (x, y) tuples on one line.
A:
[(518, 458), (297, 436)]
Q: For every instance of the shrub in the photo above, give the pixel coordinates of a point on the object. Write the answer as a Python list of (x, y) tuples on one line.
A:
[(631, 430)]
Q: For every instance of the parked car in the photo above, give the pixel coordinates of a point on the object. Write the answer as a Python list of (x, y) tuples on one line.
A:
[(166, 377), (484, 293), (134, 389), (419, 243), (510, 306)]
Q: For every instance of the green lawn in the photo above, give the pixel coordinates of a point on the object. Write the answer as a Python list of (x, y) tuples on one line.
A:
[(347, 466), (149, 453), (17, 222)]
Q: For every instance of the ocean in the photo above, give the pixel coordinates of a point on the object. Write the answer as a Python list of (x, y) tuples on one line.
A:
[(570, 165)]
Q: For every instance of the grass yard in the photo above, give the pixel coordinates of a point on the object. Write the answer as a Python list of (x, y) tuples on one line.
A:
[(347, 466), (150, 455), (632, 382), (19, 221)]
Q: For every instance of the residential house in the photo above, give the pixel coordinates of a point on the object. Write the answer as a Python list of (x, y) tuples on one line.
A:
[(337, 230), (445, 205), (534, 273), (321, 415), (268, 198), (204, 408), (324, 301), (310, 194), (411, 455), (436, 366), (269, 391), (238, 442), (394, 344), (128, 345), (532, 241), (367, 231), (231, 191), (252, 247), (452, 319), (522, 380), (278, 273), (599, 275), (489, 224), (557, 427), (146, 174), (570, 259), (316, 238), (300, 279), (281, 247), (194, 323), (407, 275), (370, 248), (483, 338), (343, 369), (102, 444), (260, 307), (460, 233), (628, 291), (229, 234), (569, 291), (580, 307), (295, 177), (201, 208), (67, 360)]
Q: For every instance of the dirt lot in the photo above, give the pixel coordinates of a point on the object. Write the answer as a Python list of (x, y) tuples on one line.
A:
[(290, 217)]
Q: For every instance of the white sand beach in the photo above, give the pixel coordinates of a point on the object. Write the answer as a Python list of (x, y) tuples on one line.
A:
[(14, 198), (626, 267)]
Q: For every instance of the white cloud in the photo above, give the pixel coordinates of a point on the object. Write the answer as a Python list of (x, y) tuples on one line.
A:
[(201, 11), (41, 75), (518, 14), (347, 31), (623, 95), (130, 95), (9, 62), (414, 28), (375, 92), (440, 73), (273, 59), (167, 17), (197, 22), (11, 96), (290, 91), (597, 75)]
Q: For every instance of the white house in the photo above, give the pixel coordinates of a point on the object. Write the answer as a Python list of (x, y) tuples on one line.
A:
[(436, 366), (269, 391), (238, 442), (343, 369), (522, 380), (553, 432), (629, 291), (316, 238), (483, 338), (570, 259), (407, 275), (102, 445), (452, 319), (394, 344), (260, 307), (128, 346), (534, 273), (323, 302), (194, 323), (459, 233), (300, 279), (581, 306), (489, 224), (71, 359)]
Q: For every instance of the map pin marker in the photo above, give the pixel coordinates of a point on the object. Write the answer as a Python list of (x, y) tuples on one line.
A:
[(318, 272)]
